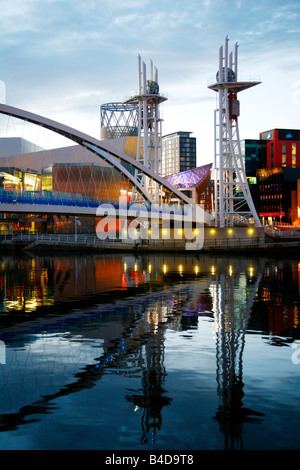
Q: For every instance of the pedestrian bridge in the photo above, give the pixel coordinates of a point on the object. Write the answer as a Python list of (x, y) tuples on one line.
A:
[(59, 203), (106, 151)]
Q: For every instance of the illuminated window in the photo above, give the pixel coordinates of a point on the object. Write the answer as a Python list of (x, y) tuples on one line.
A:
[(284, 154), (293, 155)]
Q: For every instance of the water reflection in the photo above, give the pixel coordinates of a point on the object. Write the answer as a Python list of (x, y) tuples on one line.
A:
[(70, 321), (233, 301)]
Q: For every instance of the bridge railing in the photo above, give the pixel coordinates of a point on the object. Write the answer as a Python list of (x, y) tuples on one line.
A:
[(54, 238), (47, 198), (92, 239)]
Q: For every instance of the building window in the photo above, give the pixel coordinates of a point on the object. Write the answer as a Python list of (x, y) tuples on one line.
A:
[(284, 154), (272, 156), (293, 155)]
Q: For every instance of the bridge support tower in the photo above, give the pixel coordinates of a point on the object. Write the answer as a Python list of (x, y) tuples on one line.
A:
[(148, 100), (233, 200)]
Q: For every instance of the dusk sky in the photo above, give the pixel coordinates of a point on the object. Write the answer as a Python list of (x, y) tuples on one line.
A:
[(63, 59)]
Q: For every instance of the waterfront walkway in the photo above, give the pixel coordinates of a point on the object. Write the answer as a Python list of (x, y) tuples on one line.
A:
[(79, 242)]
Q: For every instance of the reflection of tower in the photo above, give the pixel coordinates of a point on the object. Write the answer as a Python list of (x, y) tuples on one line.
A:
[(233, 200), (233, 299), (151, 399), (148, 100)]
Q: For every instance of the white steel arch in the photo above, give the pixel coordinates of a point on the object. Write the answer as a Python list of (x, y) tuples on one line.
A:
[(105, 150)]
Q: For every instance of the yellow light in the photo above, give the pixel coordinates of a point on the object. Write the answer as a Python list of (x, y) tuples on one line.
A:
[(196, 231), (180, 231), (136, 267), (149, 268), (212, 231), (213, 270), (196, 269), (125, 231), (165, 268), (165, 231), (251, 231), (180, 268), (125, 266), (230, 231), (230, 270), (251, 271), (149, 231)]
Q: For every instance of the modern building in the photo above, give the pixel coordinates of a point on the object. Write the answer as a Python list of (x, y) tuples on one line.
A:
[(16, 146), (178, 153), (279, 195), (62, 173), (272, 166), (283, 147)]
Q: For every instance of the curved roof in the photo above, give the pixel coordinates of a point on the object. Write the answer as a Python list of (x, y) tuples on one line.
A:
[(189, 178)]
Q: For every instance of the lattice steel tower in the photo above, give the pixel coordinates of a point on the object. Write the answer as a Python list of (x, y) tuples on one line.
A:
[(148, 100), (233, 200)]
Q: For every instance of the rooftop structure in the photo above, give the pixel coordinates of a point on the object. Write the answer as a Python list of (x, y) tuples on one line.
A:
[(118, 120)]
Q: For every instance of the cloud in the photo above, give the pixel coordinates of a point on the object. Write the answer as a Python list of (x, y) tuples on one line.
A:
[(66, 58)]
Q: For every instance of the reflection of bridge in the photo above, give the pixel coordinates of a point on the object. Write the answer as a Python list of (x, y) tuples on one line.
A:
[(130, 334), (106, 151)]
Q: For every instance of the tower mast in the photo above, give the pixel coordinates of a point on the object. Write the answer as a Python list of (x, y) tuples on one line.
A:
[(233, 200), (148, 100)]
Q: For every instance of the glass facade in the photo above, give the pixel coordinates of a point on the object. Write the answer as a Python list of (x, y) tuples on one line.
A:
[(255, 156), (67, 177)]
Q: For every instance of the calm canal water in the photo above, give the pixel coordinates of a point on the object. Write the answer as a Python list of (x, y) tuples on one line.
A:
[(120, 352)]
